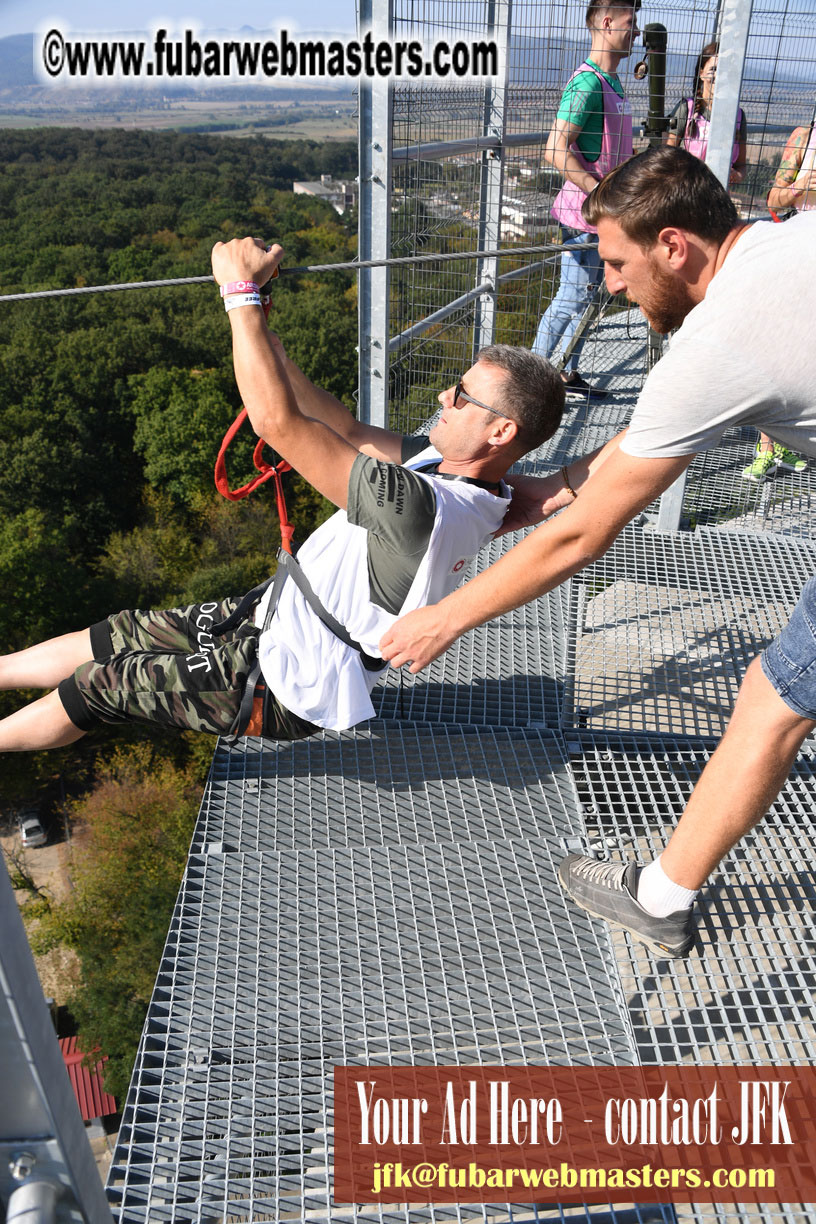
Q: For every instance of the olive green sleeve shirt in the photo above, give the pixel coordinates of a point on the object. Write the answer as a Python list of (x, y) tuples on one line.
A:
[(398, 510)]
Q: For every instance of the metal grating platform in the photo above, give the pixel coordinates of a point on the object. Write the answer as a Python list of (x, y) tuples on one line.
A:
[(745, 995), (280, 965), (509, 672), (392, 784), (717, 494), (670, 623)]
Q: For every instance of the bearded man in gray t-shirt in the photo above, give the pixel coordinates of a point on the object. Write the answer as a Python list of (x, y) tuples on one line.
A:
[(744, 299)]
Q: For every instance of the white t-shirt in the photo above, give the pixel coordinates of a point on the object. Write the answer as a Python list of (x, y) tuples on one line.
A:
[(311, 672), (744, 356)]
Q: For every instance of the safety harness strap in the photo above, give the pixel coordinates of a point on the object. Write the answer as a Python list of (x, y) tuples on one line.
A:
[(244, 606), (288, 567), (293, 570), (251, 714)]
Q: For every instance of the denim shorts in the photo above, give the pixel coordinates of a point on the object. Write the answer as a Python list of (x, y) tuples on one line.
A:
[(790, 660)]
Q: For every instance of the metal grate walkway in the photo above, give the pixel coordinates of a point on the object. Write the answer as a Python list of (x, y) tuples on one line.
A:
[(746, 994), (364, 789), (389, 894)]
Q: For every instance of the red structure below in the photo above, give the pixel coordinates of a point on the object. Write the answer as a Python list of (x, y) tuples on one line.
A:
[(86, 1082)]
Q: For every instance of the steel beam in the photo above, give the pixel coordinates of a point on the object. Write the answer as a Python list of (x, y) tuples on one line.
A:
[(492, 178), (374, 226), (46, 1163)]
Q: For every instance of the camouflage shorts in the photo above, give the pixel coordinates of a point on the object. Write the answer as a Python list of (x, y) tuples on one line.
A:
[(168, 668)]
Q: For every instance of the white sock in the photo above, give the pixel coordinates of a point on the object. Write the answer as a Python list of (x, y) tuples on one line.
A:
[(659, 895)]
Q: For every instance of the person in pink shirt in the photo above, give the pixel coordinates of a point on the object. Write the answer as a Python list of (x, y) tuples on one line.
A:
[(691, 118), (592, 134)]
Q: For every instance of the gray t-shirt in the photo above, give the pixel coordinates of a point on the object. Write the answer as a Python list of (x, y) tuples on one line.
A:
[(397, 508), (743, 356)]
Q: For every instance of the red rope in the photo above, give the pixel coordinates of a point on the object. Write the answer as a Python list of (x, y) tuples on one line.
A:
[(266, 471)]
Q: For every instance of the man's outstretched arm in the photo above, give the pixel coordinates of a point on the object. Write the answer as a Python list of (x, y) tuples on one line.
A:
[(317, 451), (261, 364), (612, 488)]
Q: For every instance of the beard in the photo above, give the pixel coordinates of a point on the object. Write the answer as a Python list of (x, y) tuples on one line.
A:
[(667, 300)]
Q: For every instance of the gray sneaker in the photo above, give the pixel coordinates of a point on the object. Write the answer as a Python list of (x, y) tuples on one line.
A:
[(609, 890)]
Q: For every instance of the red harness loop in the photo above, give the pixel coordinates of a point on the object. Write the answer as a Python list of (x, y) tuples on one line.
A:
[(266, 471)]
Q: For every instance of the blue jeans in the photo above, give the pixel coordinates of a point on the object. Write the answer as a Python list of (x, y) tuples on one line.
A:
[(581, 274), (789, 663)]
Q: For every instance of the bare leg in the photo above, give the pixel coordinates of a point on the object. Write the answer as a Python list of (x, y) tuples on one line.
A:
[(44, 665), (42, 724), (740, 782)]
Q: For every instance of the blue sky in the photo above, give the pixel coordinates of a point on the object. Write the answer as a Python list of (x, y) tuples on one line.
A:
[(90, 16)]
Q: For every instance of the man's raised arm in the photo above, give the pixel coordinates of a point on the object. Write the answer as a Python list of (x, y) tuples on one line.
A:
[(611, 487), (323, 406), (248, 259), (321, 456)]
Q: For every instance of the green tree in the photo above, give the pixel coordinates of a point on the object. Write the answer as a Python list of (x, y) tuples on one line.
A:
[(113, 405), (133, 832), (181, 417)]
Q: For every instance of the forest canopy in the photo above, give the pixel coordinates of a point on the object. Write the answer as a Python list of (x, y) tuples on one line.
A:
[(113, 405), (112, 408)]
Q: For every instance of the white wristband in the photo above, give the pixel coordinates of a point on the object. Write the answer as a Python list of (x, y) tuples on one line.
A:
[(241, 299)]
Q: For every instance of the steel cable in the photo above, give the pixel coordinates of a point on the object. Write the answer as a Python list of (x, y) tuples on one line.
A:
[(352, 266)]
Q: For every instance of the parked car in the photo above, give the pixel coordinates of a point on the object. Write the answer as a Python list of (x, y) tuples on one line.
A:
[(31, 832)]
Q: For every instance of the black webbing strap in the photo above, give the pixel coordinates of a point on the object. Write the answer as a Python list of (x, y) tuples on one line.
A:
[(244, 606), (292, 569), (288, 567), (241, 721), (254, 680)]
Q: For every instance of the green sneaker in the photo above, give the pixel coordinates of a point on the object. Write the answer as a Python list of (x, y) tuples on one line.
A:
[(764, 464), (788, 460)]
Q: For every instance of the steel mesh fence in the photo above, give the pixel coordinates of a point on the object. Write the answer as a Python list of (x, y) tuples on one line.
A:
[(389, 895), (440, 203)]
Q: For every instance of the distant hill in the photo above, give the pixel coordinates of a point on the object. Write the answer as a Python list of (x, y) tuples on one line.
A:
[(17, 62), (18, 82), (535, 63)]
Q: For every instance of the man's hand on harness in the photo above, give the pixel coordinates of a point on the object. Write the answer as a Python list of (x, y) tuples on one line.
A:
[(535, 498), (245, 259), (419, 637)]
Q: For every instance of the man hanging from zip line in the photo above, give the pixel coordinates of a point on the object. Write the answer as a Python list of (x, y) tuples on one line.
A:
[(745, 295), (412, 513)]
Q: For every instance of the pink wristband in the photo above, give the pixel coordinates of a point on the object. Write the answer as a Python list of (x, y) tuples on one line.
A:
[(238, 287)]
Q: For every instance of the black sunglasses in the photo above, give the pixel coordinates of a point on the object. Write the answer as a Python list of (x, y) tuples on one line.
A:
[(461, 393)]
